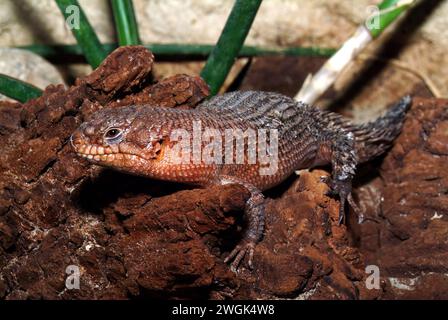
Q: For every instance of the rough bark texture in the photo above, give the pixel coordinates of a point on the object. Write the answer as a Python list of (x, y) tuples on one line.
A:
[(136, 238), (406, 227)]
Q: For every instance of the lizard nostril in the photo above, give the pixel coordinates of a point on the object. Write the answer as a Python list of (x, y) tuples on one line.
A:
[(90, 130), (75, 139)]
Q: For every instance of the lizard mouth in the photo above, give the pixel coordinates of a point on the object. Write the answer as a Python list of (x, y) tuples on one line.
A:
[(104, 154)]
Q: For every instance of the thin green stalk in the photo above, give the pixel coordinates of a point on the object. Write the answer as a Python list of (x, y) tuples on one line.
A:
[(17, 89), (230, 42), (125, 22), (83, 31), (248, 51), (201, 50), (389, 10)]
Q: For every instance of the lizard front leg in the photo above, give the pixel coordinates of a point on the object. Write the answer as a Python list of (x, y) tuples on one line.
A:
[(255, 215)]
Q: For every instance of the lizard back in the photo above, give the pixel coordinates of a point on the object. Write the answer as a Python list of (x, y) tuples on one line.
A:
[(306, 137)]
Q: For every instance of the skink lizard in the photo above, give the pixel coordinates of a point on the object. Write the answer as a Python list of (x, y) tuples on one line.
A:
[(145, 140)]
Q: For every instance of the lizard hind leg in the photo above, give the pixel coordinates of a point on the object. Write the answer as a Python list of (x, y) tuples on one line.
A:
[(343, 160), (255, 215)]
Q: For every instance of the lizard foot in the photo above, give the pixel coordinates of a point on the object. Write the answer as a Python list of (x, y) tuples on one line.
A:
[(254, 214), (343, 189), (238, 254)]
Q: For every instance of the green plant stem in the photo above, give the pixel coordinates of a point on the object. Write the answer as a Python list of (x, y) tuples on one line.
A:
[(200, 50), (125, 22), (17, 89), (391, 10), (230, 42), (83, 32)]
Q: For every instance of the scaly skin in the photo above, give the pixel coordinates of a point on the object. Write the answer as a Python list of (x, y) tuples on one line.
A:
[(139, 140)]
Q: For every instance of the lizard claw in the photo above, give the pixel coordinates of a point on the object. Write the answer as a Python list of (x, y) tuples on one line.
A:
[(353, 205), (240, 251), (332, 191), (343, 189), (325, 179), (341, 218)]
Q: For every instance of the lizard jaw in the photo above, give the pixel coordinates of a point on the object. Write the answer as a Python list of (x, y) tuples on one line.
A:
[(106, 155), (98, 153)]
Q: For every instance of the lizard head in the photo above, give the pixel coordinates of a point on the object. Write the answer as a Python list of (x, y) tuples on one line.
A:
[(119, 138)]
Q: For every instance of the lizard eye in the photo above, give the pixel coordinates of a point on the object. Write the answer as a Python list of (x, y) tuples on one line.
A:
[(112, 134)]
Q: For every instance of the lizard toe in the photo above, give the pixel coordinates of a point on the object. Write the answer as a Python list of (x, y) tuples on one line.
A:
[(238, 254)]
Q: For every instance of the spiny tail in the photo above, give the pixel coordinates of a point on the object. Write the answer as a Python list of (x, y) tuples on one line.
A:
[(374, 138)]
